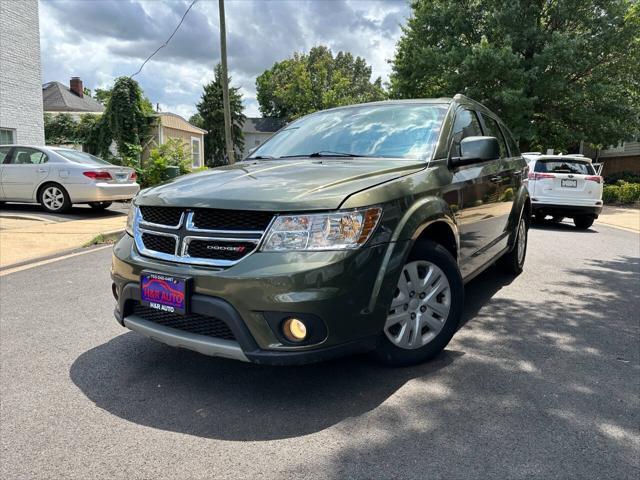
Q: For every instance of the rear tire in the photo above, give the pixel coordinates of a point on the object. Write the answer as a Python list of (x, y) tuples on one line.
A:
[(424, 324), (540, 217), (100, 205), (583, 222), (557, 218), (512, 262), (54, 198)]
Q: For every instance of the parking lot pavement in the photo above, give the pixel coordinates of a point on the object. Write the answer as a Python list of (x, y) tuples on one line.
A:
[(28, 233), (541, 381)]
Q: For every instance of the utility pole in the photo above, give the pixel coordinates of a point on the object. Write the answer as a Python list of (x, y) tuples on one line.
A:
[(225, 86)]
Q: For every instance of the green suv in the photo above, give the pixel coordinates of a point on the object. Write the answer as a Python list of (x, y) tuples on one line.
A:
[(351, 230)]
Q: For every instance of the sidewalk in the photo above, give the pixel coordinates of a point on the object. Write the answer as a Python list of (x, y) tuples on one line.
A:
[(627, 218), (24, 238)]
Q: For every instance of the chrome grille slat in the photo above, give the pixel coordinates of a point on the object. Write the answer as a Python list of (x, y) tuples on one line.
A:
[(218, 248)]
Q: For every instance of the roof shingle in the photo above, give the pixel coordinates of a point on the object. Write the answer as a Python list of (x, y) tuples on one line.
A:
[(57, 97)]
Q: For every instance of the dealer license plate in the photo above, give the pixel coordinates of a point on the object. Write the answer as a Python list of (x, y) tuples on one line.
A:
[(166, 293)]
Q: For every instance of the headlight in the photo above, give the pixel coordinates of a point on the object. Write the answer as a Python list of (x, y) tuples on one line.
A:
[(322, 231), (133, 210)]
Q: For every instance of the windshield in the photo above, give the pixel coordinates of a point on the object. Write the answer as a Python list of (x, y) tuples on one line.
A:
[(391, 131), (82, 157)]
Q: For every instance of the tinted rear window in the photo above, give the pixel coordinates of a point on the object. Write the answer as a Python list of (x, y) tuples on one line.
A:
[(82, 157), (564, 166)]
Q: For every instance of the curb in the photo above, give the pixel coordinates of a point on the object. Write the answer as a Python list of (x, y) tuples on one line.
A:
[(110, 236)]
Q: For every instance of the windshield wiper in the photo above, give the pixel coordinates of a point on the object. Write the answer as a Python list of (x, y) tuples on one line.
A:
[(324, 153)]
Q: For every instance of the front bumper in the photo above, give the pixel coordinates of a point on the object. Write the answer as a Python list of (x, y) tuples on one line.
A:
[(102, 192), (337, 287)]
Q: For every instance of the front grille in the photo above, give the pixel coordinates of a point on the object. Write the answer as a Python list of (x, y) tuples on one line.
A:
[(219, 250), (191, 322), (159, 243), (169, 216), (214, 219)]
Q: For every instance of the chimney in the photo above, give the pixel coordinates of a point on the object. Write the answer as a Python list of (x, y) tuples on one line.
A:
[(75, 85)]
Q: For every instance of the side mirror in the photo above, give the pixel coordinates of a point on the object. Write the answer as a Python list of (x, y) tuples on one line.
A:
[(476, 150)]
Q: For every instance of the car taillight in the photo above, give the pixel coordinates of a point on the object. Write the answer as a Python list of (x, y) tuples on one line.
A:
[(98, 175), (134, 176), (540, 176), (594, 178)]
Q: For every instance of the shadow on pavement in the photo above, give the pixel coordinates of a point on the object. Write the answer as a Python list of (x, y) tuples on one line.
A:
[(155, 385), (151, 384)]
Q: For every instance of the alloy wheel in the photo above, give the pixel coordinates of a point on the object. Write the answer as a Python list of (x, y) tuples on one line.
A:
[(53, 198), (420, 306)]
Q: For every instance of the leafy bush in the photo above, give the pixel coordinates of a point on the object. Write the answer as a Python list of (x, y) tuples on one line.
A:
[(610, 194), (629, 193), (624, 193), (626, 176), (173, 153)]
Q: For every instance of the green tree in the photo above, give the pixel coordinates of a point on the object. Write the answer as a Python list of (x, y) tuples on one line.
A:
[(60, 129), (557, 71), (197, 120), (309, 82), (103, 95), (127, 117), (210, 110)]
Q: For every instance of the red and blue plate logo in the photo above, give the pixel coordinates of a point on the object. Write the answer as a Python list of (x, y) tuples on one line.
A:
[(160, 291)]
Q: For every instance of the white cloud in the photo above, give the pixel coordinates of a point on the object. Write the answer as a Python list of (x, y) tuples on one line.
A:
[(102, 39)]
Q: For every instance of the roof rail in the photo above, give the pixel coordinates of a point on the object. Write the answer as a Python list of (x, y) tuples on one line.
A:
[(531, 153)]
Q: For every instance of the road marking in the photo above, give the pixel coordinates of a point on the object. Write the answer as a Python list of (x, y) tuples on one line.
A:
[(50, 260)]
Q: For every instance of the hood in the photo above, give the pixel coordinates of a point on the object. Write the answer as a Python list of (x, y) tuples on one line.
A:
[(278, 185)]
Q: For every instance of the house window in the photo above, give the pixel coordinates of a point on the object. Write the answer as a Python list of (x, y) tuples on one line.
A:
[(196, 161), (7, 136)]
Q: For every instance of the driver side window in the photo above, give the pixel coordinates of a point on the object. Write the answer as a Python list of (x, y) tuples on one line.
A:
[(465, 125)]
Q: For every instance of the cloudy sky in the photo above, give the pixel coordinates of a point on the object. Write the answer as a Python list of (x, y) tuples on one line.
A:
[(99, 40)]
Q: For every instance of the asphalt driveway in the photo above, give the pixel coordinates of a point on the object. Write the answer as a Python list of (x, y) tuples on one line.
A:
[(542, 381)]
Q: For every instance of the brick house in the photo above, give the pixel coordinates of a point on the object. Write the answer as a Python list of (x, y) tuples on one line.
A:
[(21, 119), (625, 157)]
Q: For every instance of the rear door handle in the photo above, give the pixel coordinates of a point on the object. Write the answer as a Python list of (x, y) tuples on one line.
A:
[(496, 179), (42, 170)]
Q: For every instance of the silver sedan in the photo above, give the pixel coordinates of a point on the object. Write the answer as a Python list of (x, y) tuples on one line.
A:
[(59, 177)]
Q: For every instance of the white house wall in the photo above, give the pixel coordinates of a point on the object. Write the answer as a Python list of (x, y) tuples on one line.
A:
[(20, 71)]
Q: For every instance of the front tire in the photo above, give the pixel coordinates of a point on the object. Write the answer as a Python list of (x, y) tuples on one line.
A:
[(583, 221), (426, 308), (54, 198)]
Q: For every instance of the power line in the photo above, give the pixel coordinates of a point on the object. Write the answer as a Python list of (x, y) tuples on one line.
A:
[(165, 43)]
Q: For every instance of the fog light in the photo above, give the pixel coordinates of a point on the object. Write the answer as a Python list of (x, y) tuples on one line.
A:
[(294, 330)]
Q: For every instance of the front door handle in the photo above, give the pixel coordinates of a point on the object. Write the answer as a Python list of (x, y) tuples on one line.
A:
[(496, 179)]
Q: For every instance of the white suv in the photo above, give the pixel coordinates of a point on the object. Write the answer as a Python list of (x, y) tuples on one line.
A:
[(564, 186)]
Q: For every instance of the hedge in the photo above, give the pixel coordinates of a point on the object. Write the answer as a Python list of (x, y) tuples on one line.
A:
[(623, 192)]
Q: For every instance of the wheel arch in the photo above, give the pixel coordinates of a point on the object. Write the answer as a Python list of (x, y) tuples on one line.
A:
[(521, 209), (428, 218)]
